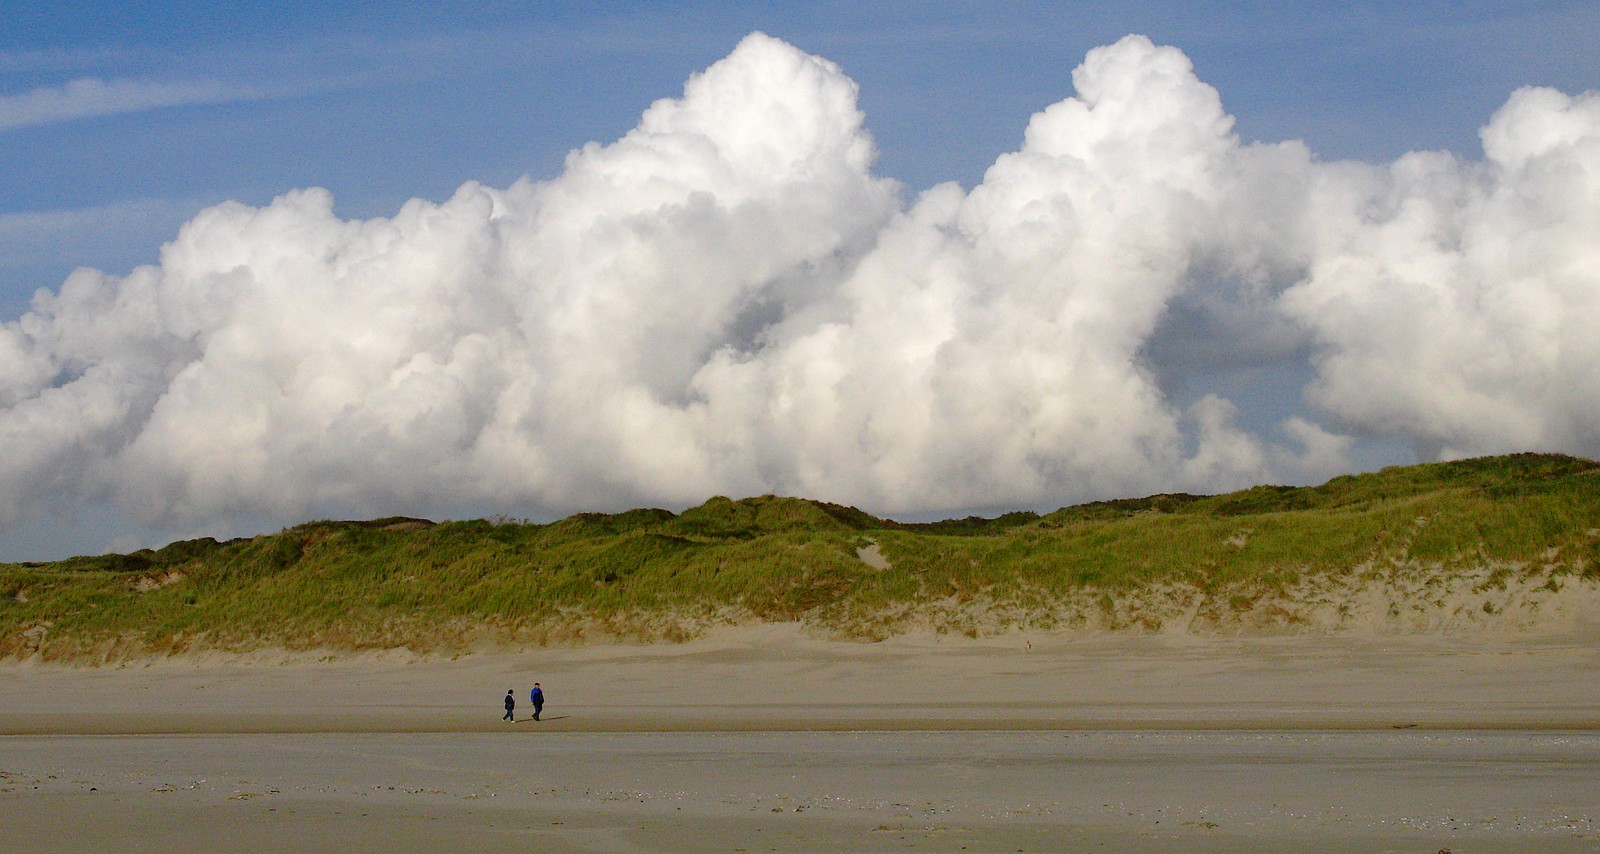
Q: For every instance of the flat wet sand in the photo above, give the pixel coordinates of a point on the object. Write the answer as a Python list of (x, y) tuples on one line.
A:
[(765, 739), (875, 791)]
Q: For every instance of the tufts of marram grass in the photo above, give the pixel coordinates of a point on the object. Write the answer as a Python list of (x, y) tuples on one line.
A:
[(1244, 559)]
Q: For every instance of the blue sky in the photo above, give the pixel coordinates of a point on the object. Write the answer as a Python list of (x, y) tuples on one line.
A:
[(387, 102), (119, 124)]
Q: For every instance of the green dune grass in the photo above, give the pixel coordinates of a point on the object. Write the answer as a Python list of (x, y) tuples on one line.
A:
[(652, 574)]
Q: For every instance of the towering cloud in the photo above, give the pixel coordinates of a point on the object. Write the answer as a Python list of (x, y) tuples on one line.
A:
[(727, 299), (1454, 303)]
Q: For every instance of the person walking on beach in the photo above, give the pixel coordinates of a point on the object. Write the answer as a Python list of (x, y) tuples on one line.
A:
[(511, 704), (537, 696)]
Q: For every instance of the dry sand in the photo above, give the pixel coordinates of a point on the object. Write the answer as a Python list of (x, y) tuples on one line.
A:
[(765, 739)]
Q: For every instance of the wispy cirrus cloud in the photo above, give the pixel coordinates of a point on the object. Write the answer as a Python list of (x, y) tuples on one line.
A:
[(35, 237), (102, 81), (108, 82), (87, 97)]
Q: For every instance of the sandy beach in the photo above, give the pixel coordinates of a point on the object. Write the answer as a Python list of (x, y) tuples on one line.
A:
[(765, 738)]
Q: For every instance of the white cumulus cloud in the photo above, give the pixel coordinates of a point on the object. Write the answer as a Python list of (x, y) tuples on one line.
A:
[(1455, 303), (729, 300)]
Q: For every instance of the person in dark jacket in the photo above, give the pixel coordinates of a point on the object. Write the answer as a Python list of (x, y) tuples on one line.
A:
[(537, 696), (511, 703)]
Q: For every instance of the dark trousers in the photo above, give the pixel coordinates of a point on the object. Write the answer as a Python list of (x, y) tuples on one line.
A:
[(538, 706), (508, 716)]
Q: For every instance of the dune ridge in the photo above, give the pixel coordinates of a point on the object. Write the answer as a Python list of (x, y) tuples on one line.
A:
[(1507, 545)]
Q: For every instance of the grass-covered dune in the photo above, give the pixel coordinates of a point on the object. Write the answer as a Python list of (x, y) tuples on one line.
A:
[(1507, 542)]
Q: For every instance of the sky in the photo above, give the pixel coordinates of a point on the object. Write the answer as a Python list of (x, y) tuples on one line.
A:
[(262, 263)]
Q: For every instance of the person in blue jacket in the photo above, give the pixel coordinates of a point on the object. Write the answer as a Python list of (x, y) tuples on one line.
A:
[(537, 696)]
